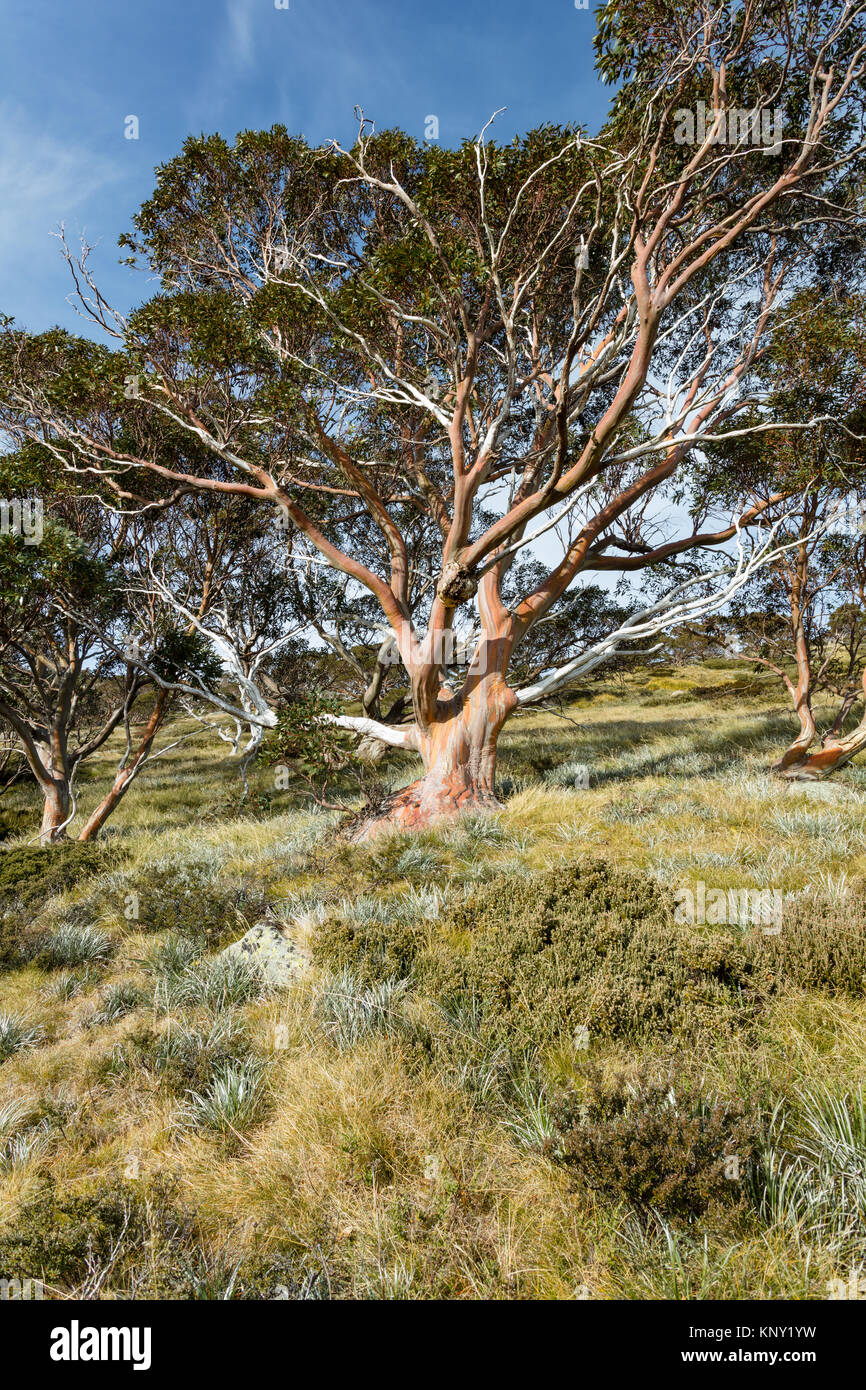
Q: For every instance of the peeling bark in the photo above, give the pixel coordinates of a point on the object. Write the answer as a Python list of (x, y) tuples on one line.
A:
[(56, 808), (459, 752), (801, 694), (50, 766)]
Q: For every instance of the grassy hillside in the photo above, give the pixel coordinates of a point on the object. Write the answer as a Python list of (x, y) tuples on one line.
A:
[(509, 1071)]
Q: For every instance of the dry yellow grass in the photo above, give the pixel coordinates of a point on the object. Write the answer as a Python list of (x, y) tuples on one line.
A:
[(369, 1163)]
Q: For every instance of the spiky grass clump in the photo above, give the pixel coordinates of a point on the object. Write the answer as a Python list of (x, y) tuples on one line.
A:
[(116, 1002), (16, 1033), (233, 1101), (350, 1011), (812, 1175), (23, 1136), (215, 984), (185, 1057), (73, 945)]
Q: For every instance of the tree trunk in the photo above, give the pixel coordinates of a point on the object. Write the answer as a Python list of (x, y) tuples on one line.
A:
[(459, 752), (49, 763), (798, 749), (844, 710), (55, 811), (835, 752), (126, 773), (801, 695)]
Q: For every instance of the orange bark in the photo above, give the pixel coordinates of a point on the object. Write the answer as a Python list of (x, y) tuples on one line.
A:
[(459, 752), (125, 775), (835, 752)]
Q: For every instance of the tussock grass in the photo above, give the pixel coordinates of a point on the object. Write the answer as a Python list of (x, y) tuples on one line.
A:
[(366, 1135), (16, 1033)]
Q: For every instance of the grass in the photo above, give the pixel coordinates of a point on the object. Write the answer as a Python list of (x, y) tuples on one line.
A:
[(361, 1136)]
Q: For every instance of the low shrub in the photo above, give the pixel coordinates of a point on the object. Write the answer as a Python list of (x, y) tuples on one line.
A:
[(140, 1241), (822, 945), (551, 954), (61, 1238), (15, 822), (372, 950), (31, 873), (195, 905), (11, 941), (661, 1147), (182, 1057)]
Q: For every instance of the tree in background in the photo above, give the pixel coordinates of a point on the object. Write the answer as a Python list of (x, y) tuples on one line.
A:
[(57, 671), (802, 617)]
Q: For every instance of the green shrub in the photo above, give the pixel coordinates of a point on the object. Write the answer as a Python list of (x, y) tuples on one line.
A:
[(31, 873), (659, 1147), (585, 947), (373, 950), (11, 941), (59, 1237), (822, 945), (15, 822), (550, 954), (193, 904)]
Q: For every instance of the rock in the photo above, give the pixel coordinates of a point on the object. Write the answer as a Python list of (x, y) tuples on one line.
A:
[(281, 960)]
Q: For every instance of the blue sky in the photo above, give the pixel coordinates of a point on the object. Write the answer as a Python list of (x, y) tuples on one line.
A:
[(72, 71)]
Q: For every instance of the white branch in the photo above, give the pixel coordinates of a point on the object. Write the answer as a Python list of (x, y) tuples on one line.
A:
[(386, 733)]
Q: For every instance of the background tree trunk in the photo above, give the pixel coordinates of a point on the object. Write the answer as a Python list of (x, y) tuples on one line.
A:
[(125, 774)]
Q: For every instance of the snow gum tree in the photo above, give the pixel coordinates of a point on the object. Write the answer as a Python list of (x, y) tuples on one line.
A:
[(802, 615), (515, 340)]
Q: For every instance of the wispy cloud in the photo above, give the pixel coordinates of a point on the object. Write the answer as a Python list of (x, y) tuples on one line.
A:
[(43, 180), (233, 58), (239, 17)]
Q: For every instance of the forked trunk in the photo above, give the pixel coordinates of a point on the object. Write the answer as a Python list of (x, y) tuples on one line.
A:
[(798, 749), (50, 766), (459, 753), (801, 695)]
